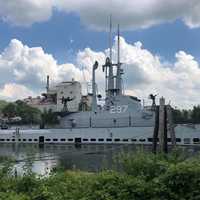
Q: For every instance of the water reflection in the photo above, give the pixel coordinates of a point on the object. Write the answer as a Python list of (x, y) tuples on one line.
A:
[(41, 159)]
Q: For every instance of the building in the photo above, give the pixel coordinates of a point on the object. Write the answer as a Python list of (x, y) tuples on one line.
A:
[(65, 96)]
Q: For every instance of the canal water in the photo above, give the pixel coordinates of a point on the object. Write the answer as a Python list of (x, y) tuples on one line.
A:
[(43, 159)]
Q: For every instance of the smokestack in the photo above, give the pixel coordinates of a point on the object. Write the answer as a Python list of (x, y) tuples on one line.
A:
[(47, 87)]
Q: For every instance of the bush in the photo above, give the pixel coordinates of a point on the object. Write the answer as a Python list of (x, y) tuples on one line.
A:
[(142, 176)]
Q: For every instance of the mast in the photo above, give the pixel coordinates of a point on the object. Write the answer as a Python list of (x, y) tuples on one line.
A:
[(110, 39), (119, 70), (94, 93), (110, 65), (118, 45)]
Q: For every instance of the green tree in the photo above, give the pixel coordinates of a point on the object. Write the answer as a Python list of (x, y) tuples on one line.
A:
[(177, 115), (196, 114), (21, 109), (3, 104), (9, 110), (49, 117), (27, 113)]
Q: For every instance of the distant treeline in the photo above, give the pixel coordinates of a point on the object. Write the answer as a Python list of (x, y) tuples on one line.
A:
[(28, 114), (187, 116)]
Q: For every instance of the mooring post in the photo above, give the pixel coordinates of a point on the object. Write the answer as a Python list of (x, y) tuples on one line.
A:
[(171, 126), (165, 147), (156, 127), (162, 124)]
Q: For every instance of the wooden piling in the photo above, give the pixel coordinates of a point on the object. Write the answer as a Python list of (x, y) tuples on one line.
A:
[(165, 140), (161, 124), (170, 128), (156, 127), (163, 127)]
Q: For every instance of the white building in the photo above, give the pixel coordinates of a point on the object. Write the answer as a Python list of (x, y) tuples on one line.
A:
[(64, 96)]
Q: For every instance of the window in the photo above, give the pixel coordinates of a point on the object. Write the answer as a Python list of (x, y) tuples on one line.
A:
[(100, 139), (48, 140), (92, 139), (134, 140), (62, 140), (195, 140), (35, 140), (55, 139), (29, 140), (117, 139), (70, 139), (24, 140), (186, 140), (151, 139), (85, 139), (109, 140), (2, 140), (7, 139), (125, 140), (142, 140), (19, 140), (178, 139), (169, 139), (13, 140)]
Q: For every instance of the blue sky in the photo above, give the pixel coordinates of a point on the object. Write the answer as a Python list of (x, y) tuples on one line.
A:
[(59, 38), (64, 34)]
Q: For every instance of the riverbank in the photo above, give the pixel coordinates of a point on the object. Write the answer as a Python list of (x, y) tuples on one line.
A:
[(139, 176)]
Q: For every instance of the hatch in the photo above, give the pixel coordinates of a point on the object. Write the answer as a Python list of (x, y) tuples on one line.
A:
[(41, 139), (77, 140)]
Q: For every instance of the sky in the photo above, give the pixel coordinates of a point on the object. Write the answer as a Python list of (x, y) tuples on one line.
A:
[(160, 46)]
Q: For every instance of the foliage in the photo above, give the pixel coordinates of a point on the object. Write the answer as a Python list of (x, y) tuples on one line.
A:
[(29, 114), (3, 104), (6, 165), (21, 109), (10, 110), (49, 117), (187, 116), (195, 115), (142, 176)]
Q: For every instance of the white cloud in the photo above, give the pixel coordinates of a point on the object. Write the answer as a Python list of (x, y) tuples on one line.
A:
[(133, 14), (23, 72), (25, 12), (12, 91), (145, 73), (29, 66), (94, 13)]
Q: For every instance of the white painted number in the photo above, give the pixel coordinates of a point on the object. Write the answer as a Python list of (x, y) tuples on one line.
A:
[(118, 109)]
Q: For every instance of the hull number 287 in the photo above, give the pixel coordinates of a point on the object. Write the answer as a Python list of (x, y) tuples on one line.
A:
[(118, 109)]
